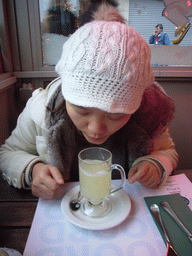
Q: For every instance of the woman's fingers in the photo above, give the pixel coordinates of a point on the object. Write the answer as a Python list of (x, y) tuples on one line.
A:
[(146, 173), (47, 181)]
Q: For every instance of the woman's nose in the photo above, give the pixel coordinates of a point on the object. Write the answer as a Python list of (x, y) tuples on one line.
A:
[(97, 125)]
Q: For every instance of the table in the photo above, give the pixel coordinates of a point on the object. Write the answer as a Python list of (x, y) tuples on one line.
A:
[(17, 208)]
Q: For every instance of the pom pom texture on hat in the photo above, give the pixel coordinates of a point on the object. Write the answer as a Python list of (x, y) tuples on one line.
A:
[(105, 65)]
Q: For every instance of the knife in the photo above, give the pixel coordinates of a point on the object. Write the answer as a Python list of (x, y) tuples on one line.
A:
[(172, 213)]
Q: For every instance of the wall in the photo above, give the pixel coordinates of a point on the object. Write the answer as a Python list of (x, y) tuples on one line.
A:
[(181, 127)]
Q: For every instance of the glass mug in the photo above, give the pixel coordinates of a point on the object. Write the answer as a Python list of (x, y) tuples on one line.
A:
[(95, 172)]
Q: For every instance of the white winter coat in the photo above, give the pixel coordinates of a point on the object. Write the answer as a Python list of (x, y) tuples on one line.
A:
[(27, 143)]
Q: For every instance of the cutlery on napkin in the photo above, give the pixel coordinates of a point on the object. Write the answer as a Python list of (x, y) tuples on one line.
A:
[(173, 214), (178, 237), (157, 214)]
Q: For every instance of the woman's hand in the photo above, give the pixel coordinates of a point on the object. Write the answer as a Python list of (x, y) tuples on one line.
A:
[(146, 173), (47, 181)]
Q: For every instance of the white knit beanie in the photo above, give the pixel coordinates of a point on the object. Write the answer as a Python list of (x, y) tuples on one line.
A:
[(105, 65)]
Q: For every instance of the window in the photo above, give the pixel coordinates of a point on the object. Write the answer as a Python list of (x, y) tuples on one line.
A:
[(39, 44), (5, 58), (145, 15), (59, 19)]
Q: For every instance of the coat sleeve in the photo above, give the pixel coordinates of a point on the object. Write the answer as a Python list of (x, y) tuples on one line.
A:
[(19, 151), (164, 155), (151, 39)]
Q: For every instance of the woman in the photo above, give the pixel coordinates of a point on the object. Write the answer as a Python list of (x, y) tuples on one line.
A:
[(105, 96)]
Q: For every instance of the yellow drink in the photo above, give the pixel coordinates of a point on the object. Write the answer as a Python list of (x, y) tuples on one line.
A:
[(95, 180)]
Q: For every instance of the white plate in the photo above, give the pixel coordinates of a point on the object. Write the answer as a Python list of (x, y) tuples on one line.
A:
[(121, 206)]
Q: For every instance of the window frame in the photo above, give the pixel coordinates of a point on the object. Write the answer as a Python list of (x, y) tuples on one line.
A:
[(30, 48)]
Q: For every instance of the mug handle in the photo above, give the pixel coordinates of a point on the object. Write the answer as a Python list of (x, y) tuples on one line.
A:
[(123, 177)]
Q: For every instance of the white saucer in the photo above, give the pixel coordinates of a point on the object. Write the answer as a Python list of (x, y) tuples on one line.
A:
[(121, 206)]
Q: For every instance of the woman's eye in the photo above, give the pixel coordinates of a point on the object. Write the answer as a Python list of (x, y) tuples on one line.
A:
[(82, 112), (115, 117)]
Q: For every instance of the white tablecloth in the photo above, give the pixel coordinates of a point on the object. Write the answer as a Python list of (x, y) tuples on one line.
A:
[(51, 234)]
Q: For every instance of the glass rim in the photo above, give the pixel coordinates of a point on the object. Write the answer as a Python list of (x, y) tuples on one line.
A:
[(95, 148)]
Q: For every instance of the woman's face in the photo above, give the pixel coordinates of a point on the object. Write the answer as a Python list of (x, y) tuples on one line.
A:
[(96, 125)]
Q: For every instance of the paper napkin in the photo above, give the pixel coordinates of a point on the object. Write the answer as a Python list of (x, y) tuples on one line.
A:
[(178, 237)]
